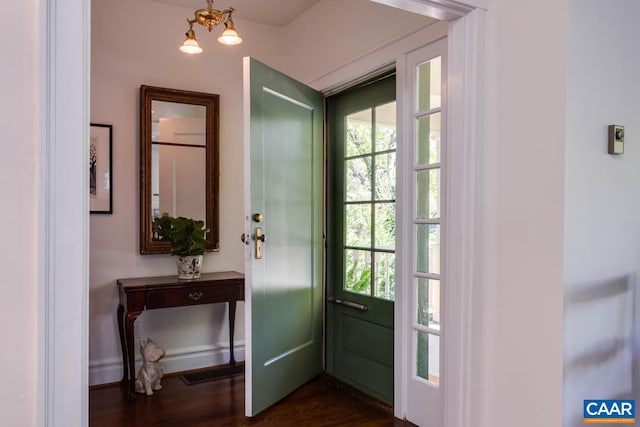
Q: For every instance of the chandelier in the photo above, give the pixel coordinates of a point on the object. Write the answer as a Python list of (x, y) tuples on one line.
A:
[(210, 17)]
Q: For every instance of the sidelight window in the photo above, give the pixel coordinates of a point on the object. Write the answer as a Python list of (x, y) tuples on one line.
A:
[(427, 223)]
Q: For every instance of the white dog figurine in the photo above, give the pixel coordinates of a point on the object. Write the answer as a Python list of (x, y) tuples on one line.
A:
[(150, 373)]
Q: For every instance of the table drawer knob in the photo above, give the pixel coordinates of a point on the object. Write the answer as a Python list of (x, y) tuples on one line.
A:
[(195, 296)]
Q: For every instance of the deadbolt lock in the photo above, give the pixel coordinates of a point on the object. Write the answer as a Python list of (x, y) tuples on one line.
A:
[(257, 217)]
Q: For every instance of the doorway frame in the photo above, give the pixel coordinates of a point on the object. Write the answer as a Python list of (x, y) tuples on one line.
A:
[(465, 34), (63, 213), (62, 289)]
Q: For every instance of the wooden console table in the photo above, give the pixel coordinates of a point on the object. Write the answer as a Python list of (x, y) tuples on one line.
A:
[(148, 293)]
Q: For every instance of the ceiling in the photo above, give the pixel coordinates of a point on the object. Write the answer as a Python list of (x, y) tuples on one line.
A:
[(272, 12)]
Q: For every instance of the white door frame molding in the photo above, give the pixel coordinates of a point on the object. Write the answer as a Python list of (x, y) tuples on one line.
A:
[(445, 10), (63, 261), (465, 106)]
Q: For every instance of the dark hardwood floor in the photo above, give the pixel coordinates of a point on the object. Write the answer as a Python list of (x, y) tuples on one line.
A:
[(221, 403)]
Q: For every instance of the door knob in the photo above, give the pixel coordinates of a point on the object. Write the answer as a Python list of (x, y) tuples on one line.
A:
[(244, 239)]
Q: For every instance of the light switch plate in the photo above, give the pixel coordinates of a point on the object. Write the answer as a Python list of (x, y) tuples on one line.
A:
[(616, 139)]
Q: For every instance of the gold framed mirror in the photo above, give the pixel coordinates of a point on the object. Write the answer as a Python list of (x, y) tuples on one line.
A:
[(179, 162)]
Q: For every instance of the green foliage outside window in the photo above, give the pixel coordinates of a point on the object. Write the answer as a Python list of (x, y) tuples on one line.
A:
[(370, 223)]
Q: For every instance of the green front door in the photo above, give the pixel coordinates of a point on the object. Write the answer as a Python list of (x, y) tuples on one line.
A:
[(284, 214), (361, 191)]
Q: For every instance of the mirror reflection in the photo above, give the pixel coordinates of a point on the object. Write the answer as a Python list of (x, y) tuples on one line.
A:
[(179, 164), (178, 147)]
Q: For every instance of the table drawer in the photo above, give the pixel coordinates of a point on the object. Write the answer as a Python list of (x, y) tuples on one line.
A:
[(162, 298)]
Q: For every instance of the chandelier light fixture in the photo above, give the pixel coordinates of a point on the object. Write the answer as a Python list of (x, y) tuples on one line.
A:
[(210, 17)]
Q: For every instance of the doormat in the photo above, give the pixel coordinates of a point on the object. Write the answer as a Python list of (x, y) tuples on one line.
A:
[(213, 373)]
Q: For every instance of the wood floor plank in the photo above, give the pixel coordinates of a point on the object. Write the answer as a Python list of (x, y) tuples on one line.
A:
[(221, 403)]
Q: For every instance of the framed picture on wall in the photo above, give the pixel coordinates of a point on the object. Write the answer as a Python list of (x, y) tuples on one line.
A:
[(100, 188)]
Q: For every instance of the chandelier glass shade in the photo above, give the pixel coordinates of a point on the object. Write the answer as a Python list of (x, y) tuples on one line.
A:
[(190, 44)]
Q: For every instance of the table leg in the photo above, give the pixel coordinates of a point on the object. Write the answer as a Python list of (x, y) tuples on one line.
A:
[(123, 346), (130, 319), (232, 324)]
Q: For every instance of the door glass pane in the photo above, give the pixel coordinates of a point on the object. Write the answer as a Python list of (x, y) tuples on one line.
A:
[(385, 221), (358, 133), (358, 179), (428, 139), (370, 175), (428, 300), (428, 357), (428, 248), (357, 271), (385, 275), (428, 196), (429, 84), (386, 176), (358, 225), (386, 127)]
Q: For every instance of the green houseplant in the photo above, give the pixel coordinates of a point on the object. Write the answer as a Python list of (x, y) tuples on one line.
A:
[(186, 236)]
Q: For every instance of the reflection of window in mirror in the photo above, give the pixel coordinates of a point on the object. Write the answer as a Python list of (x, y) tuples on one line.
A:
[(178, 166)]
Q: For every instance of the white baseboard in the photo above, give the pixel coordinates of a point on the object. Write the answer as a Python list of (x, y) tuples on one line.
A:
[(109, 370)]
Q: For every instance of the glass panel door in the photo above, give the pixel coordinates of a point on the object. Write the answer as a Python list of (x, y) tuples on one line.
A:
[(361, 235)]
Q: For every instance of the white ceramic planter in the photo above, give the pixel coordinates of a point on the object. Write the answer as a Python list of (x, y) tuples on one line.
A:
[(189, 267)]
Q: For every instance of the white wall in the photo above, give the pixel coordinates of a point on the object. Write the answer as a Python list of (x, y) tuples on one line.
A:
[(520, 355), (19, 123), (335, 32), (126, 53), (193, 337), (602, 206)]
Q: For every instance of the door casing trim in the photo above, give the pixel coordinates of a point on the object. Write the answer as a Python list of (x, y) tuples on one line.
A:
[(63, 214), (463, 258)]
